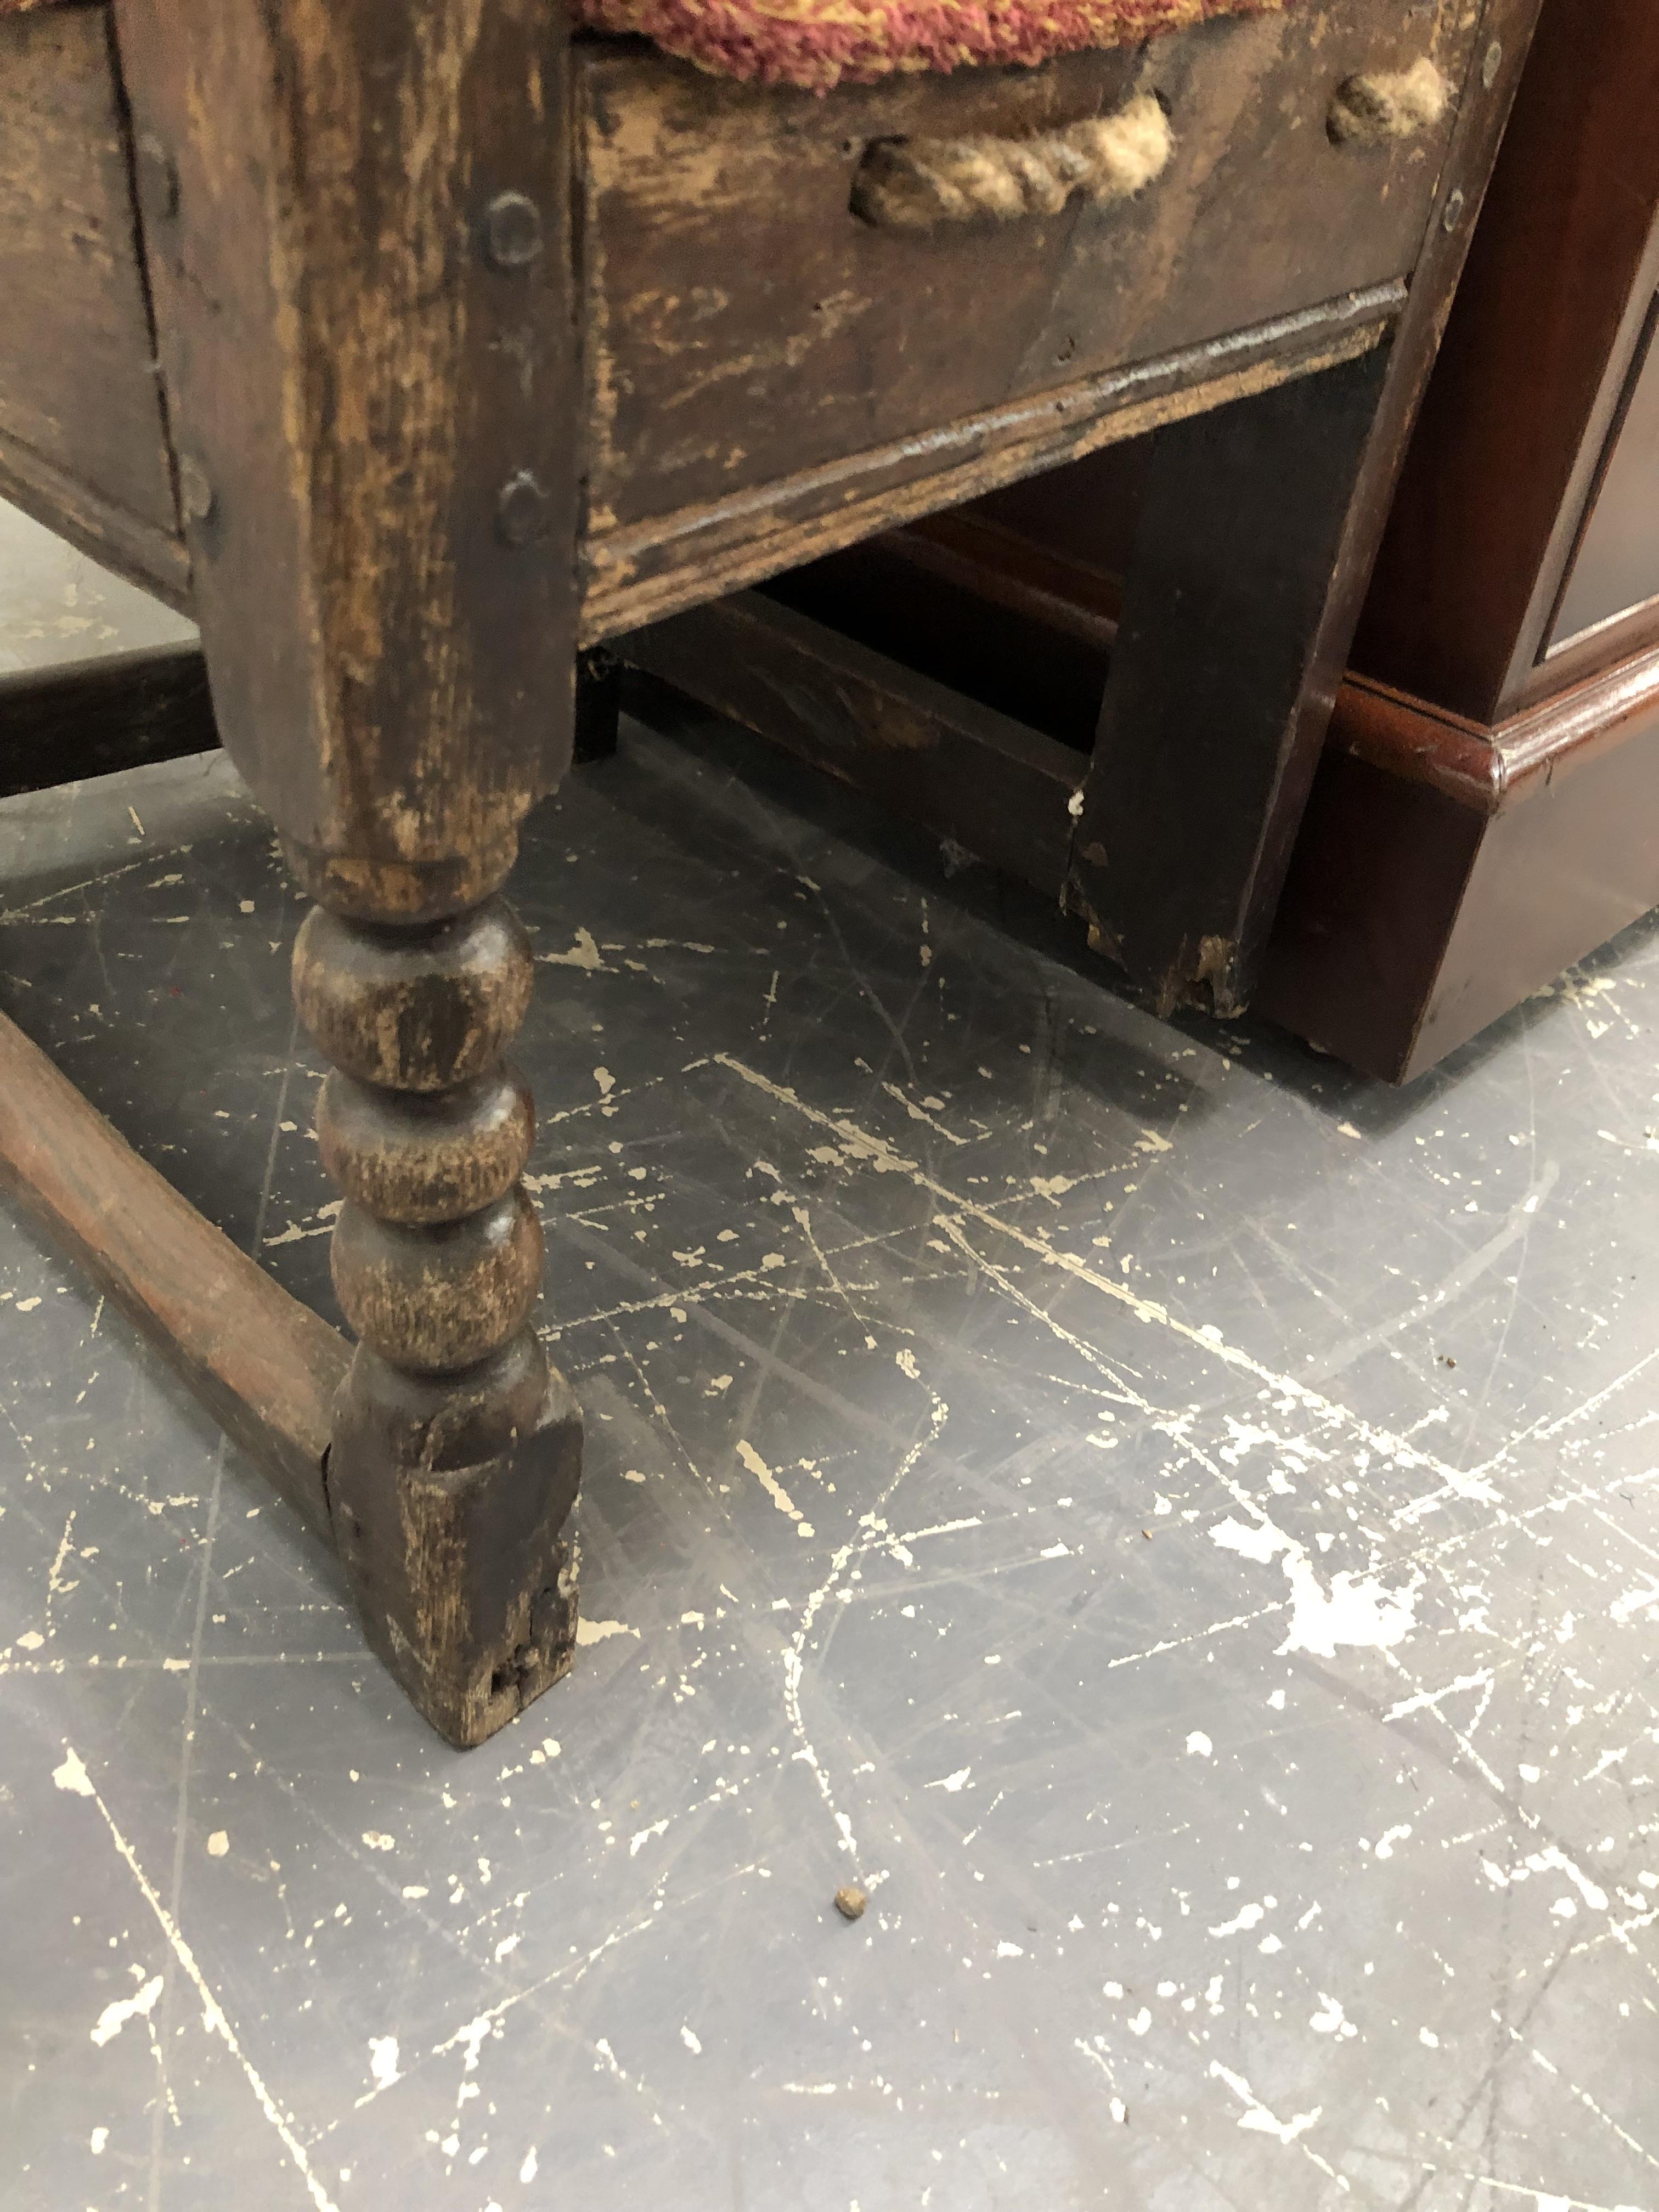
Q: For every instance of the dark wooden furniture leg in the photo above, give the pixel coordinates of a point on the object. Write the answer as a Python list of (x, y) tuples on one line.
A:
[(1223, 674), (355, 222), (456, 1449)]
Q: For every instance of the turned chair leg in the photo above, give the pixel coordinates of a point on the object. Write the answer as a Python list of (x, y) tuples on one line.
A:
[(456, 1448), (368, 330)]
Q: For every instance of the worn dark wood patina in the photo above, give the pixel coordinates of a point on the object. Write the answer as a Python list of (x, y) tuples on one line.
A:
[(1226, 660), (82, 436), (371, 359), (91, 717), (645, 570), (1219, 685), (264, 1364), (997, 787), (743, 328), (456, 1448), (478, 347)]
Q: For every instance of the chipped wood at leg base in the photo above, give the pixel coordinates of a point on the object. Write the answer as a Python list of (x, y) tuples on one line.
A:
[(448, 1498), (456, 1449)]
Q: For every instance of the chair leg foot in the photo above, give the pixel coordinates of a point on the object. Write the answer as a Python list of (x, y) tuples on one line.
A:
[(448, 1501), (456, 1448)]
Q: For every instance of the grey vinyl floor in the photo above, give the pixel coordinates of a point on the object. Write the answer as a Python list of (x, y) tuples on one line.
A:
[(1177, 1524)]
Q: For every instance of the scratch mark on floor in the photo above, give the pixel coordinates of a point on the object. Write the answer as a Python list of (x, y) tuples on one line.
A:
[(73, 1776)]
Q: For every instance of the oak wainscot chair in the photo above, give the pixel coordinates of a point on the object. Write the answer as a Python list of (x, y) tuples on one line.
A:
[(486, 334)]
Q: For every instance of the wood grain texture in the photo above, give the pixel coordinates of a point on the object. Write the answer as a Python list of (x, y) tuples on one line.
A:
[(1257, 527), (448, 1508), (95, 717), (77, 379), (373, 396), (457, 1448), (1549, 315), (654, 568), (116, 538), (358, 246), (744, 325), (978, 610), (263, 1364)]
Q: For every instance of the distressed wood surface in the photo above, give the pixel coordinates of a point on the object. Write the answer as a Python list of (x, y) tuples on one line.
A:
[(1183, 884), (357, 231), (656, 567), (979, 609), (1216, 651), (81, 422), (262, 1363), (1444, 868), (113, 536), (743, 325), (1257, 527), (1418, 907)]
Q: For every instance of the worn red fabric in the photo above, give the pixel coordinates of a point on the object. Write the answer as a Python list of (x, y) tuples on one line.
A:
[(817, 43)]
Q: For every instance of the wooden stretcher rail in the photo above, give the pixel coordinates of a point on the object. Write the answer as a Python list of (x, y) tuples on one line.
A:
[(93, 717), (997, 788), (263, 1364)]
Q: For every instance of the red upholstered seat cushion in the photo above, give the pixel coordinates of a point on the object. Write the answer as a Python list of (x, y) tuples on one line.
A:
[(816, 43)]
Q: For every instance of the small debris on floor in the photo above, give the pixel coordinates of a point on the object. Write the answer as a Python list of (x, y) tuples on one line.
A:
[(850, 1901)]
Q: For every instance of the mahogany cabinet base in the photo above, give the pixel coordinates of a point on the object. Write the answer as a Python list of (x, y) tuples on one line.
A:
[(1444, 872)]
